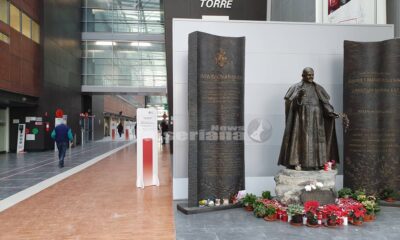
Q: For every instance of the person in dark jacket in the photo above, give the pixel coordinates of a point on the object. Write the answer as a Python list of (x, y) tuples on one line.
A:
[(120, 129), (62, 134), (164, 129)]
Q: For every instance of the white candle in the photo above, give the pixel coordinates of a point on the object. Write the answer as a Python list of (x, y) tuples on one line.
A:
[(345, 221)]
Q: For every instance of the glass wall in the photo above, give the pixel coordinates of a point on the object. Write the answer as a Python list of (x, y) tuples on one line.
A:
[(15, 18), (134, 64), (130, 16), (4, 38), (20, 21), (4, 11), (35, 32), (26, 25)]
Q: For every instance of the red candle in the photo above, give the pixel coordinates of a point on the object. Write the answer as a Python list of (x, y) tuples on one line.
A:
[(284, 217), (326, 167)]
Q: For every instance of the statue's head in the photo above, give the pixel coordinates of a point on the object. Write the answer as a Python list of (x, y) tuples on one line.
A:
[(308, 74)]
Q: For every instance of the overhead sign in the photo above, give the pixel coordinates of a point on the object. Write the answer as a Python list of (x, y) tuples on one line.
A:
[(216, 3)]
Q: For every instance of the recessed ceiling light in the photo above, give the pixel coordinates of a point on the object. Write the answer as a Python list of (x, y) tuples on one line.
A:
[(141, 44), (105, 43)]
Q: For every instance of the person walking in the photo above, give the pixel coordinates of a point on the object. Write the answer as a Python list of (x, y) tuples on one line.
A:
[(62, 134), (164, 128), (120, 129)]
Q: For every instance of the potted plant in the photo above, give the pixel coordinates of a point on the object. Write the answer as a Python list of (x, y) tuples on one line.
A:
[(266, 195), (345, 193), (371, 206), (333, 213), (259, 209), (388, 195), (310, 207), (296, 212), (270, 213), (359, 195), (356, 215), (248, 201)]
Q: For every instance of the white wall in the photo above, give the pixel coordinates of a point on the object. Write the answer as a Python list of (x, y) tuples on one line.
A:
[(276, 53)]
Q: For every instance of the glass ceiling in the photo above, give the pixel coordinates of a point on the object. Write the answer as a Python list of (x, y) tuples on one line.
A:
[(136, 16), (135, 63)]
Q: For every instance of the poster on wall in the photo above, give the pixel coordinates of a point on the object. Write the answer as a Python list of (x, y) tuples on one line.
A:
[(355, 11), (336, 4), (147, 148), (21, 138)]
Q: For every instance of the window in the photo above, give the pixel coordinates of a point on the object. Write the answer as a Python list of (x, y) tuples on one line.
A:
[(35, 32), (3, 11), (26, 25), (4, 38), (15, 18)]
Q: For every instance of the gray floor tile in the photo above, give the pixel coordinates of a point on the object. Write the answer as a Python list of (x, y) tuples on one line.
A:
[(239, 224)]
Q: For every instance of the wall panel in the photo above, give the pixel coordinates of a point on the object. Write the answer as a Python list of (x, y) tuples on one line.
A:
[(276, 54)]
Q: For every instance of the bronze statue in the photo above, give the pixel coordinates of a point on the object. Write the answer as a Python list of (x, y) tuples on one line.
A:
[(309, 140)]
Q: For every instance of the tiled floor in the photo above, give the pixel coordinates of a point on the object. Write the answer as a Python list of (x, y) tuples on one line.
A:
[(237, 224), (20, 171), (101, 202)]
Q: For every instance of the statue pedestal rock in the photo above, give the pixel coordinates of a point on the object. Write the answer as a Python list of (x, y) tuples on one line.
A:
[(290, 183)]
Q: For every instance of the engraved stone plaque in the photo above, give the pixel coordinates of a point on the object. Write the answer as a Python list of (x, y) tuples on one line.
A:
[(371, 101), (324, 197), (216, 116)]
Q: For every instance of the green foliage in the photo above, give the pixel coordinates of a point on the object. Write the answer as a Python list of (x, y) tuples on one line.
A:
[(270, 210), (259, 209), (371, 206), (249, 199), (345, 193), (294, 209), (266, 195), (312, 218), (359, 195), (388, 193)]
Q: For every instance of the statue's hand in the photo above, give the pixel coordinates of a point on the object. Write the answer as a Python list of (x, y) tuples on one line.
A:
[(301, 93), (334, 115)]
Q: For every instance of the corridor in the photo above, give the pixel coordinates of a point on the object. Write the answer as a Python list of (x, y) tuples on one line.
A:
[(101, 202)]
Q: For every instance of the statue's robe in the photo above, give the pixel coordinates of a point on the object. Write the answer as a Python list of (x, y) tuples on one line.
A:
[(310, 136)]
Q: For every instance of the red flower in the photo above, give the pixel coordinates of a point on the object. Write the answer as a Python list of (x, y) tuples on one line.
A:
[(311, 206)]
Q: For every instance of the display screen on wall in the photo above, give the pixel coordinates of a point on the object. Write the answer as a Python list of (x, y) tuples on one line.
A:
[(336, 4), (354, 11)]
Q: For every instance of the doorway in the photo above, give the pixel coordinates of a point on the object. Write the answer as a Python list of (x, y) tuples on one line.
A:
[(4, 130)]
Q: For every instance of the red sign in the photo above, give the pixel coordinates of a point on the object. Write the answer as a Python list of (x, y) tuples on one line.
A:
[(148, 161)]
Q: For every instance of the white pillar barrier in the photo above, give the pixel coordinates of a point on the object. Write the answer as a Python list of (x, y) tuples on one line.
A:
[(147, 150)]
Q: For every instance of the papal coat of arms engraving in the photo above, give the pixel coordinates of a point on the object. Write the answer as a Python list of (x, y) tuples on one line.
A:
[(220, 59)]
